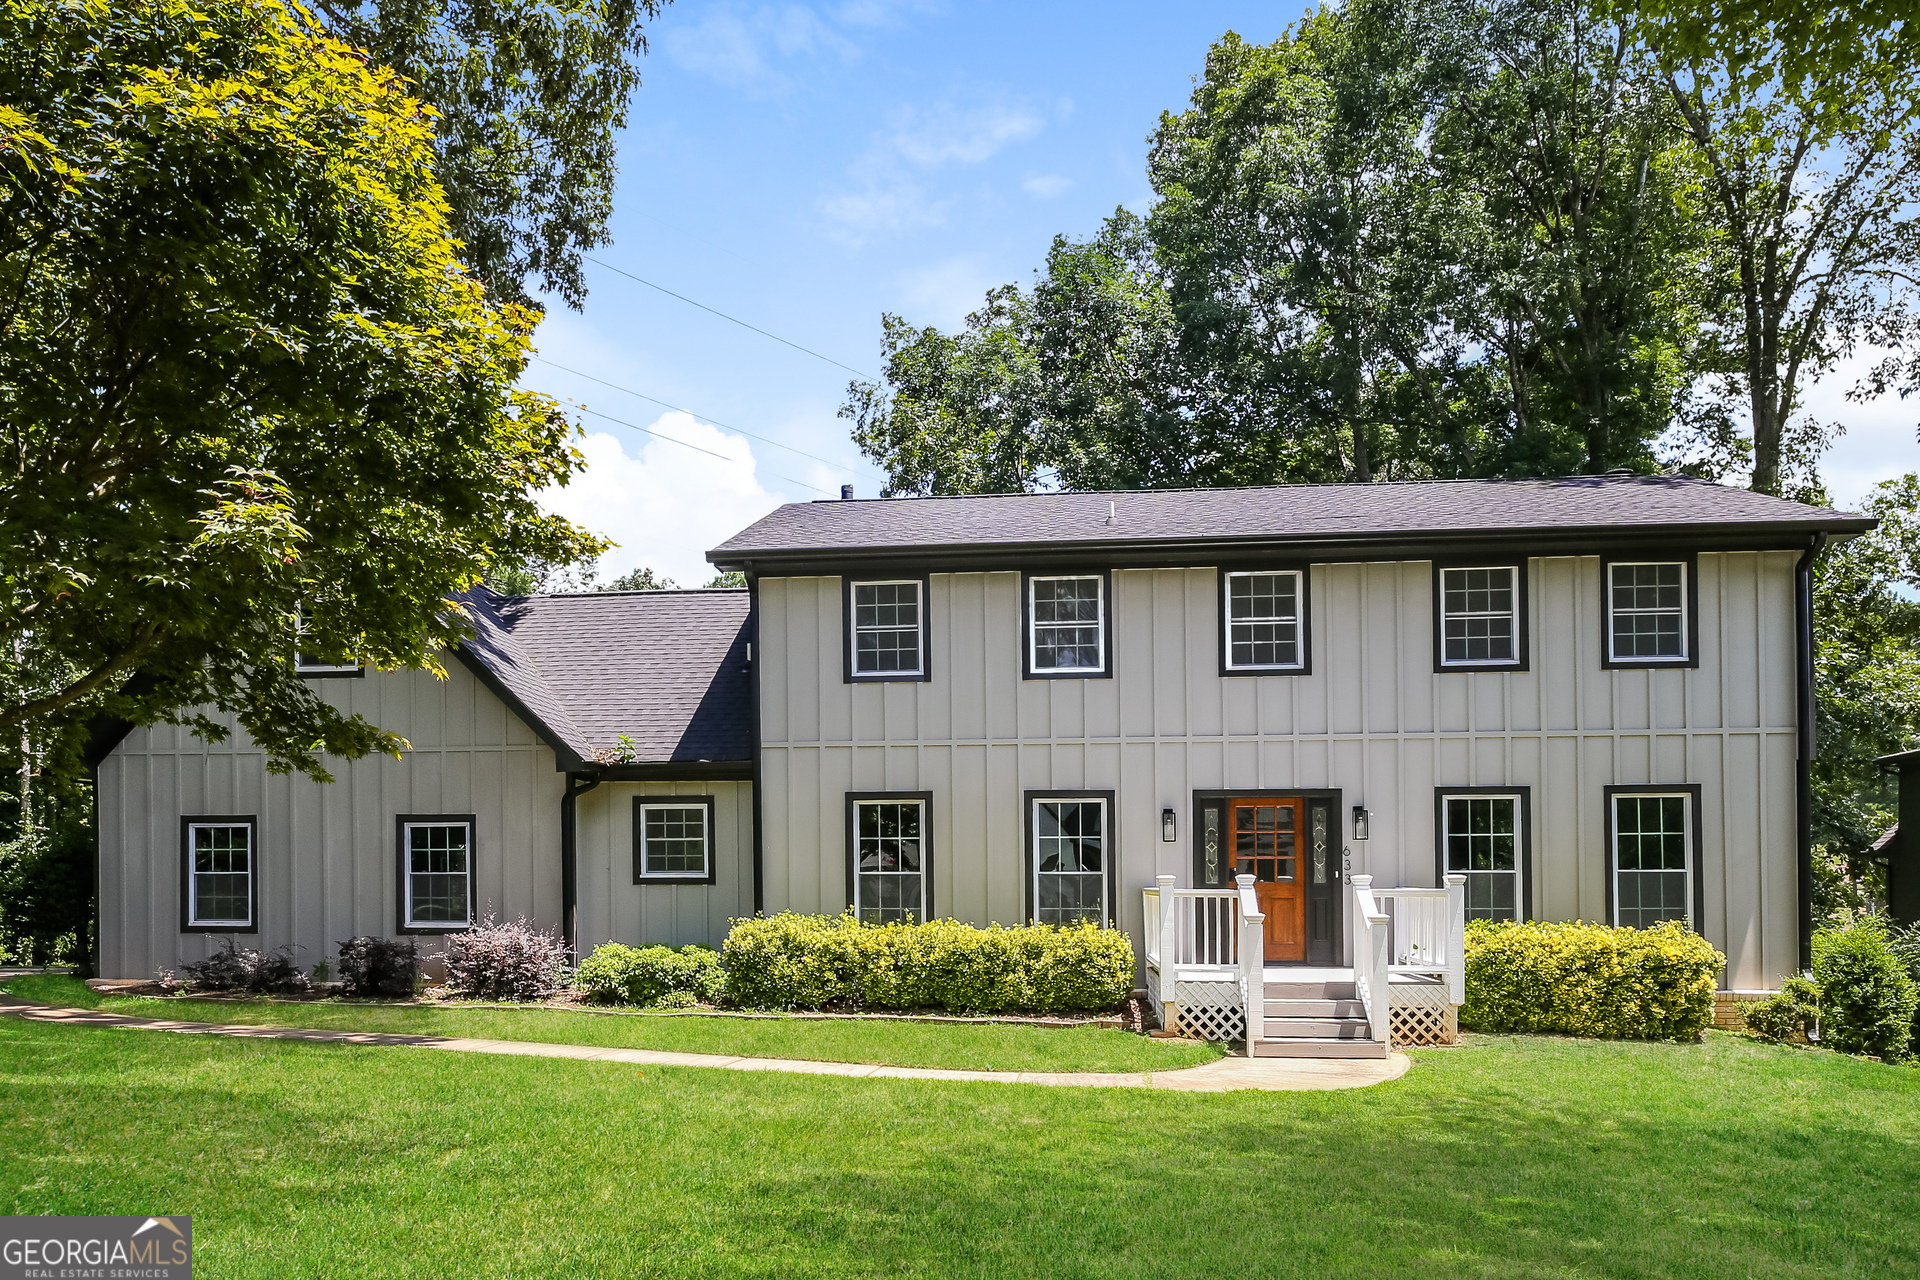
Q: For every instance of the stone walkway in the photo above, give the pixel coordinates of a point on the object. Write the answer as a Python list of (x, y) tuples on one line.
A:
[(1235, 1072)]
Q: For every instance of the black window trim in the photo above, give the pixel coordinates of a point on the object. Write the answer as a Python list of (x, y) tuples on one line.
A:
[(401, 821), (1030, 801), (1690, 560), (1523, 900), (1523, 629), (641, 804), (1105, 670), (320, 670), (848, 675), (1305, 666), (852, 822), (1697, 881), (187, 823)]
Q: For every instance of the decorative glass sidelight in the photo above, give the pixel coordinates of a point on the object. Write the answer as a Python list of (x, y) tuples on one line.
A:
[(1319, 844), (1210, 845)]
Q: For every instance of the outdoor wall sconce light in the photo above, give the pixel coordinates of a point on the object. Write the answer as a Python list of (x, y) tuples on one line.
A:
[(1360, 816), (1166, 825)]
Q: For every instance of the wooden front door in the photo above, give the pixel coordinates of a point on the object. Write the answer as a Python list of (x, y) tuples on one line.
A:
[(1265, 844)]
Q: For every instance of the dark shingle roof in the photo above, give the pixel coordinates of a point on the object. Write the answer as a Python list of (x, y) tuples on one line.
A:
[(665, 668), (1305, 514)]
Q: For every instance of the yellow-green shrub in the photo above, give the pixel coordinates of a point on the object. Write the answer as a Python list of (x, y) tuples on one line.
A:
[(1590, 979), (791, 961)]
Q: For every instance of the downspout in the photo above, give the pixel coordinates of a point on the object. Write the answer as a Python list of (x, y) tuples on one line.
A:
[(578, 784), (1807, 710), (753, 686)]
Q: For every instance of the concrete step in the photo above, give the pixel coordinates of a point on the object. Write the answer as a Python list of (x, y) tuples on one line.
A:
[(1315, 1009), (1318, 1048), (1315, 1029), (1310, 990)]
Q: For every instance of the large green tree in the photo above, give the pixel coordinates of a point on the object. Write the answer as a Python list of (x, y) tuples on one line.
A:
[(244, 379), (529, 96)]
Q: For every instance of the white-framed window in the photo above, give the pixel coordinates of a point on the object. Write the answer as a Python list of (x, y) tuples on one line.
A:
[(890, 859), (1072, 848), (1480, 616), (1482, 840), (1067, 632), (220, 874), (1652, 857), (888, 628), (674, 838), (436, 872), (1264, 620), (311, 665), (1647, 611)]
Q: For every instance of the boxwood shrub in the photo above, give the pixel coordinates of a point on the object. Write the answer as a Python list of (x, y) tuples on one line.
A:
[(616, 974), (1867, 998), (1589, 979), (791, 961)]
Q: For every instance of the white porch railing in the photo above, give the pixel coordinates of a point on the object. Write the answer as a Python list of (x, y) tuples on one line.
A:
[(1371, 945), (1426, 932), (1193, 953)]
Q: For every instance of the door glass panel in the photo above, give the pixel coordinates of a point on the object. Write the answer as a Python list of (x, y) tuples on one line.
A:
[(1263, 842)]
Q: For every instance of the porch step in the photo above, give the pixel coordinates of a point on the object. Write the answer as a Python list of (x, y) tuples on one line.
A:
[(1315, 989), (1314, 1009), (1317, 1047), (1315, 1029)]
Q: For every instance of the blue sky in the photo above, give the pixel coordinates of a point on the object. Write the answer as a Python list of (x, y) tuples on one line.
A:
[(805, 168)]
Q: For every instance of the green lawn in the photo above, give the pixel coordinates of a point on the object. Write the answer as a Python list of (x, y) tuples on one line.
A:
[(1512, 1156), (966, 1047)]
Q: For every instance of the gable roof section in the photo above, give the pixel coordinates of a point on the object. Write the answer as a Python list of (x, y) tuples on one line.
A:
[(665, 668), (1384, 519)]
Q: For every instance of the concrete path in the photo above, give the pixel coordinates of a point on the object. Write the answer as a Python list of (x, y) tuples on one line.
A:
[(1236, 1072)]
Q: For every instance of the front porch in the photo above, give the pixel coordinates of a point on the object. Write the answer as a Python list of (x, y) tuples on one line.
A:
[(1207, 974)]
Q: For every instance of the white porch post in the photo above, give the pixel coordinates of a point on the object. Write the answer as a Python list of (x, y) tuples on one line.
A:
[(1169, 953), (1456, 938)]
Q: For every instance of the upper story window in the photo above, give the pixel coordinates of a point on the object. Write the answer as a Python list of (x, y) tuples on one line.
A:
[(673, 839), (219, 875), (1481, 616), (308, 664), (1649, 612), (1265, 621), (1652, 855), (436, 873), (1067, 625), (886, 630)]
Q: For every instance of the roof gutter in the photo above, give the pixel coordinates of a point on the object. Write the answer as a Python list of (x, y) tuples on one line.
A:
[(1808, 709)]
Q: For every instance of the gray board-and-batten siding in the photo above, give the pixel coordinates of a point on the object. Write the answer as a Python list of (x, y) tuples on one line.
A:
[(1373, 721), (328, 856)]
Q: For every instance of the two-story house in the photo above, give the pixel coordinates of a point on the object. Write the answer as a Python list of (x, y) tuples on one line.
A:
[(1581, 698)]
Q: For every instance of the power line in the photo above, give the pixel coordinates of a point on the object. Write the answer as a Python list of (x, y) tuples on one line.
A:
[(621, 422), (701, 416), (724, 316)]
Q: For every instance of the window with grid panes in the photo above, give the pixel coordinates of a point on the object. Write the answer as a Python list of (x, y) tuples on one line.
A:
[(1647, 604), (1067, 621), (1478, 615), (1652, 880), (1070, 861), (221, 874), (673, 839), (1483, 843), (1263, 619), (887, 636), (439, 864), (889, 860)]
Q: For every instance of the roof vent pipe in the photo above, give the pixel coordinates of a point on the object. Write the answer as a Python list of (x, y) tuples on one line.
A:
[(846, 493)]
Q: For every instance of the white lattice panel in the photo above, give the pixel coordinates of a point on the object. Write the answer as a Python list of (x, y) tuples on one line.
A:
[(1420, 1014), (1210, 1010)]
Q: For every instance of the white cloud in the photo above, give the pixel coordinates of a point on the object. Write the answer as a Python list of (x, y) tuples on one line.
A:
[(943, 293), (1879, 441), (888, 185), (665, 505), (739, 47), (1045, 186)]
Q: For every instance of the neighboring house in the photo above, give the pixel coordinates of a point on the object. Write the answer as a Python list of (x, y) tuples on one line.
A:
[(1582, 698)]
